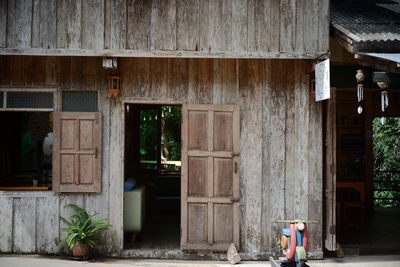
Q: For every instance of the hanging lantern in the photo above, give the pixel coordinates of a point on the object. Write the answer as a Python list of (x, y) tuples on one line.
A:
[(360, 76), (114, 86)]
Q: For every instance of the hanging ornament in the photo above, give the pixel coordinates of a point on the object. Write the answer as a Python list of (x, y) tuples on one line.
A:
[(360, 89), (384, 100), (383, 120)]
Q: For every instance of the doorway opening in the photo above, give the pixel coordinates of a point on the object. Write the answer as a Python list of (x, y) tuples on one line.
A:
[(367, 174), (152, 187)]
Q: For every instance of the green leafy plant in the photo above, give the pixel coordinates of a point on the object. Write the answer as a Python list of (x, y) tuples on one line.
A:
[(82, 228)]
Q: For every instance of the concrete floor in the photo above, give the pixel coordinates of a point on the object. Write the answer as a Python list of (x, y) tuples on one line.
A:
[(40, 261)]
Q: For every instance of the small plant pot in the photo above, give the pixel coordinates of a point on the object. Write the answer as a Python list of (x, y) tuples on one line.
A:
[(80, 250)]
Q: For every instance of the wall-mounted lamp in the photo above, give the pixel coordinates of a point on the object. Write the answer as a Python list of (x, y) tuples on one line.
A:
[(114, 86)]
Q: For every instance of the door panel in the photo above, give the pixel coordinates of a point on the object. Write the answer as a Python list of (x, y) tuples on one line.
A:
[(210, 177)]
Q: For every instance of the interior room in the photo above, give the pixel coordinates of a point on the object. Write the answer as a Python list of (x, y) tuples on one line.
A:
[(368, 172), (152, 176), (25, 150)]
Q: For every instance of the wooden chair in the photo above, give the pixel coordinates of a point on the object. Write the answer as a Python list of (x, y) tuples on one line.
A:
[(352, 199)]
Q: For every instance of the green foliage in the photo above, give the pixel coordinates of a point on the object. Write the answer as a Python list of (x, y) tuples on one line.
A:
[(171, 132), (82, 227), (386, 160)]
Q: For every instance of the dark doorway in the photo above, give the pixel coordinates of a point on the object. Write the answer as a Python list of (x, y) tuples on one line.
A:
[(152, 176)]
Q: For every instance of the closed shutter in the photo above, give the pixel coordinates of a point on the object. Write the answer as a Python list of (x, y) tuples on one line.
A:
[(77, 152), (210, 177)]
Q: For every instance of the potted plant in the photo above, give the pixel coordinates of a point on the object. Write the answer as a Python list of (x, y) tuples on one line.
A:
[(82, 230)]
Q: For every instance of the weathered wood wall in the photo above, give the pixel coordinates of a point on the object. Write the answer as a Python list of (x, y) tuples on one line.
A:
[(281, 138), (170, 28)]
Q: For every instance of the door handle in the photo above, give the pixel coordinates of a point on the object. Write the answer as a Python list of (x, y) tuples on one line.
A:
[(235, 199)]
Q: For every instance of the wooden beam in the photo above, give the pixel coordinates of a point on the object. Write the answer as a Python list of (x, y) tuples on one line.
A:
[(161, 54)]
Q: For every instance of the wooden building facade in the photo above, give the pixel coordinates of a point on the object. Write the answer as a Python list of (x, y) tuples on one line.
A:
[(254, 55)]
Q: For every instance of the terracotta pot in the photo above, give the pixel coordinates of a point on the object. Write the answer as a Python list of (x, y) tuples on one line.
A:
[(80, 250)]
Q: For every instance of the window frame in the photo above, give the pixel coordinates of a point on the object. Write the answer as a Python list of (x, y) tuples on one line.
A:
[(60, 109), (3, 108)]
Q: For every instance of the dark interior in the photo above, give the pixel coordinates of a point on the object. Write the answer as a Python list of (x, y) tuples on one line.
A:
[(152, 163), (23, 163), (367, 195)]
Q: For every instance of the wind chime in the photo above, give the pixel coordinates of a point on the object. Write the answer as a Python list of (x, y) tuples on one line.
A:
[(384, 99), (360, 89)]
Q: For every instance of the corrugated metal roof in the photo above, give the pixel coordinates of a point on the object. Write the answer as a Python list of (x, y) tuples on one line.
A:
[(374, 23), (390, 57)]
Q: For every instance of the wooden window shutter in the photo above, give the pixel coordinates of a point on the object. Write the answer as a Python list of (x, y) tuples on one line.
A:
[(77, 152), (210, 177)]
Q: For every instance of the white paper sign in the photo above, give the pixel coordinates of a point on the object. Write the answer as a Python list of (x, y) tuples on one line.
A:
[(322, 81)]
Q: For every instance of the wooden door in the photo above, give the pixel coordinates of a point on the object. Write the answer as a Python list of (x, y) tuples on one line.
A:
[(210, 177), (77, 152), (330, 173)]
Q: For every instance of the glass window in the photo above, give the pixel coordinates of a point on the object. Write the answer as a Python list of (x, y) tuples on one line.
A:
[(25, 100), (80, 101)]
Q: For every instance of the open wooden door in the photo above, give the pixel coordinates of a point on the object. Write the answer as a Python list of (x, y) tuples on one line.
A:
[(210, 177), (330, 173)]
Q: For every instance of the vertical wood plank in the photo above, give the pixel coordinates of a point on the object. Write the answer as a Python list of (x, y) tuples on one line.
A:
[(116, 175), (69, 23), (251, 25), (299, 25), (262, 16), (102, 201), (217, 81), (158, 77), (275, 23), (287, 25), (230, 81), (275, 140), (154, 33), (3, 23), (6, 228), (24, 234), (311, 24), (323, 25), (187, 34), (138, 24), (192, 81), (250, 89), (93, 24), (315, 168), (215, 21), (239, 25), (204, 26), (47, 227), (302, 131), (163, 25), (44, 24), (226, 27), (118, 24), (178, 79), (141, 77), (35, 23), (291, 158), (127, 71), (19, 23), (266, 163)]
